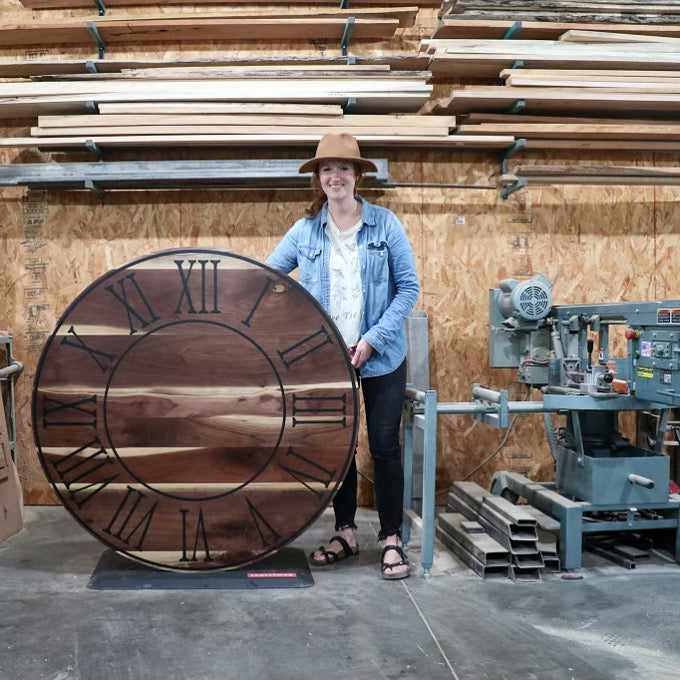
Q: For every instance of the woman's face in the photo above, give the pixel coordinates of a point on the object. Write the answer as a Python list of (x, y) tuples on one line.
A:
[(337, 179)]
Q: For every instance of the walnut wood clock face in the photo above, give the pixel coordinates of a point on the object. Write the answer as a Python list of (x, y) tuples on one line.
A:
[(195, 409)]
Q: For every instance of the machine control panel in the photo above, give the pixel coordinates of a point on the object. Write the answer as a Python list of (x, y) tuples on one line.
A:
[(661, 350), (658, 365)]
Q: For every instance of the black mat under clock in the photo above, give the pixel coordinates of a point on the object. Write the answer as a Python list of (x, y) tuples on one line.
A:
[(286, 569)]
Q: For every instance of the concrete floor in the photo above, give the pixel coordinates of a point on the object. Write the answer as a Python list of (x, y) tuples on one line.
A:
[(614, 623)]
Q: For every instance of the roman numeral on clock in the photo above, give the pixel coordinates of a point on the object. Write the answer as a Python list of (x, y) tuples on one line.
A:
[(267, 284), (136, 305), (132, 518), (307, 471), (320, 410), (266, 531), (81, 462), (80, 412), (305, 347), (200, 535), (103, 359), (208, 284)]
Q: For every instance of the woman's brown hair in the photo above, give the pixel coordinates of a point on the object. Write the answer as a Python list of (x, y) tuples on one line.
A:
[(319, 196)]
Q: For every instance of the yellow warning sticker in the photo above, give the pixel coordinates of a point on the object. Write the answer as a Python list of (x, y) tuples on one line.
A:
[(645, 372)]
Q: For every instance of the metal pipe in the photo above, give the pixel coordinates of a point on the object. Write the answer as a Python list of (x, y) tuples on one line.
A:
[(14, 367), (477, 407), (416, 395), (473, 407), (642, 481), (486, 394)]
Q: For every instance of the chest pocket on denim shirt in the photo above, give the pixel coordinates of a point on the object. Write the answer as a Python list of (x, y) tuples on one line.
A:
[(309, 264), (377, 255)]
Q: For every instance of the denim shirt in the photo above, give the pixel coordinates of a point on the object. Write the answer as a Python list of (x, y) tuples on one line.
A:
[(388, 277)]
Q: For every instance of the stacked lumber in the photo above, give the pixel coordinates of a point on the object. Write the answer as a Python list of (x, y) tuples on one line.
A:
[(629, 110), (248, 128), (369, 91), (238, 124), (186, 126), (600, 11), (469, 57), (493, 19), (596, 76), (231, 106)]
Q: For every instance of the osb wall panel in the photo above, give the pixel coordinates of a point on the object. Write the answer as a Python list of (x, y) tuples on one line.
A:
[(594, 243)]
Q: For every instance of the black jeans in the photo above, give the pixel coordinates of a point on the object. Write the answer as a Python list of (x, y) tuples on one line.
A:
[(383, 403)]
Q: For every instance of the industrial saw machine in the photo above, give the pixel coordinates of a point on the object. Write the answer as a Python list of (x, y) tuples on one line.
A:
[(604, 482)]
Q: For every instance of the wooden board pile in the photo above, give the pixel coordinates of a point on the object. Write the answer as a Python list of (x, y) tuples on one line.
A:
[(230, 107), (604, 109), (599, 11), (600, 76), (550, 20), (480, 58), (368, 91)]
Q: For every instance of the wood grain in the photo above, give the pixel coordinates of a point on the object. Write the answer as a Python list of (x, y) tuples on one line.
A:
[(195, 384)]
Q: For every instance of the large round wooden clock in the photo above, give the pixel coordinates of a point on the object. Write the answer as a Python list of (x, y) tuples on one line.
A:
[(195, 409)]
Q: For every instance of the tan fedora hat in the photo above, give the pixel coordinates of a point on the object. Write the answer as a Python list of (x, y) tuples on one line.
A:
[(338, 146)]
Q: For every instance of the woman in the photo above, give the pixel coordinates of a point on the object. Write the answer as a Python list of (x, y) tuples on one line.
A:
[(355, 259)]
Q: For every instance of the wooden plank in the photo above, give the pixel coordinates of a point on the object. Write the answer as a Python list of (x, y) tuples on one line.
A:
[(594, 181), (88, 4), (405, 14), (214, 108), (11, 500), (193, 30), (490, 65), (597, 170), (556, 7), (572, 17), (629, 145), (251, 141), (340, 120), (575, 131), (557, 100), (212, 89), (476, 46), (41, 67), (537, 30), (600, 174), (282, 73), (512, 118), (613, 85), (585, 74), (267, 70), (369, 102), (293, 130), (175, 174), (608, 36)]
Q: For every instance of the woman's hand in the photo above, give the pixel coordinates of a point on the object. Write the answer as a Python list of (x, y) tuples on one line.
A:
[(360, 353)]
